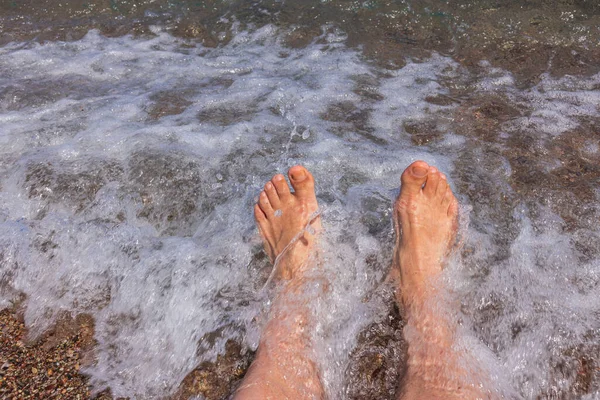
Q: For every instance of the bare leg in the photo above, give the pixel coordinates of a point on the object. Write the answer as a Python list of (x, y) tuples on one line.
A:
[(426, 222), (283, 368)]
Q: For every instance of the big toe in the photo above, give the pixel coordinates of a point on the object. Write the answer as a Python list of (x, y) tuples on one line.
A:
[(302, 181), (414, 177)]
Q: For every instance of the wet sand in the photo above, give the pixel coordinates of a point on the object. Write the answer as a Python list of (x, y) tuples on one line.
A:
[(48, 368), (526, 38)]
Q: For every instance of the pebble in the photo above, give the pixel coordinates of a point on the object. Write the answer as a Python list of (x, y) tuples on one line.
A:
[(22, 362)]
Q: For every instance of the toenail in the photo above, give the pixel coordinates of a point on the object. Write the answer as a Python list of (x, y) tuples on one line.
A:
[(298, 175), (278, 177), (433, 170), (269, 185), (419, 171), (443, 176)]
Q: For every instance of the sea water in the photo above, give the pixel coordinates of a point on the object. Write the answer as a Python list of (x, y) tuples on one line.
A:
[(130, 166)]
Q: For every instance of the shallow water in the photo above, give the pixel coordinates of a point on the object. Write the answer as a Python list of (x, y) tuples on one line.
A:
[(135, 138)]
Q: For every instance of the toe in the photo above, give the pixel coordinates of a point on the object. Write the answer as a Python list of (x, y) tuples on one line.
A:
[(433, 181), (443, 187), (302, 181), (452, 205), (414, 177), (281, 186), (259, 215), (263, 229), (265, 205), (448, 197), (272, 195)]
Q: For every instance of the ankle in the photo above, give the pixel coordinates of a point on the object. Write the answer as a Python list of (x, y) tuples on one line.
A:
[(418, 297)]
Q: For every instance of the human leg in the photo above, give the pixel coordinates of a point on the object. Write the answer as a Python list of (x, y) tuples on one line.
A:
[(283, 367), (426, 222)]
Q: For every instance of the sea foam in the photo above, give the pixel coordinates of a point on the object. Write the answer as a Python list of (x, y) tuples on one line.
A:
[(130, 166)]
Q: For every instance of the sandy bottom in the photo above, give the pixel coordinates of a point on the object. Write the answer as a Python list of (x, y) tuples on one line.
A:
[(49, 368)]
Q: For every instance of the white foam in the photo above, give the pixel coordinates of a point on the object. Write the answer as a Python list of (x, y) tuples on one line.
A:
[(154, 297), (155, 285), (535, 311)]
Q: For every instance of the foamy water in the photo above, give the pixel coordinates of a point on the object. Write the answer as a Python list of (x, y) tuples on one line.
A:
[(130, 166)]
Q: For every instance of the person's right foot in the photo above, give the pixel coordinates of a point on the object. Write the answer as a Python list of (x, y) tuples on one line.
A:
[(426, 222)]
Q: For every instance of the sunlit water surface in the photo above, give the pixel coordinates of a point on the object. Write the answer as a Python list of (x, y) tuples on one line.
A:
[(129, 169)]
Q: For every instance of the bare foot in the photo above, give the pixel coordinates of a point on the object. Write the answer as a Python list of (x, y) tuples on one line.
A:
[(284, 367), (282, 215), (426, 222)]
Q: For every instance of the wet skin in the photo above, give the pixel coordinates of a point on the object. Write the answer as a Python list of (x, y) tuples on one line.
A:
[(281, 215), (425, 216), (283, 367)]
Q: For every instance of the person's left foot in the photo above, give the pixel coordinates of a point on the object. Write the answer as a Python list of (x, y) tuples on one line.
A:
[(282, 215), (284, 367)]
